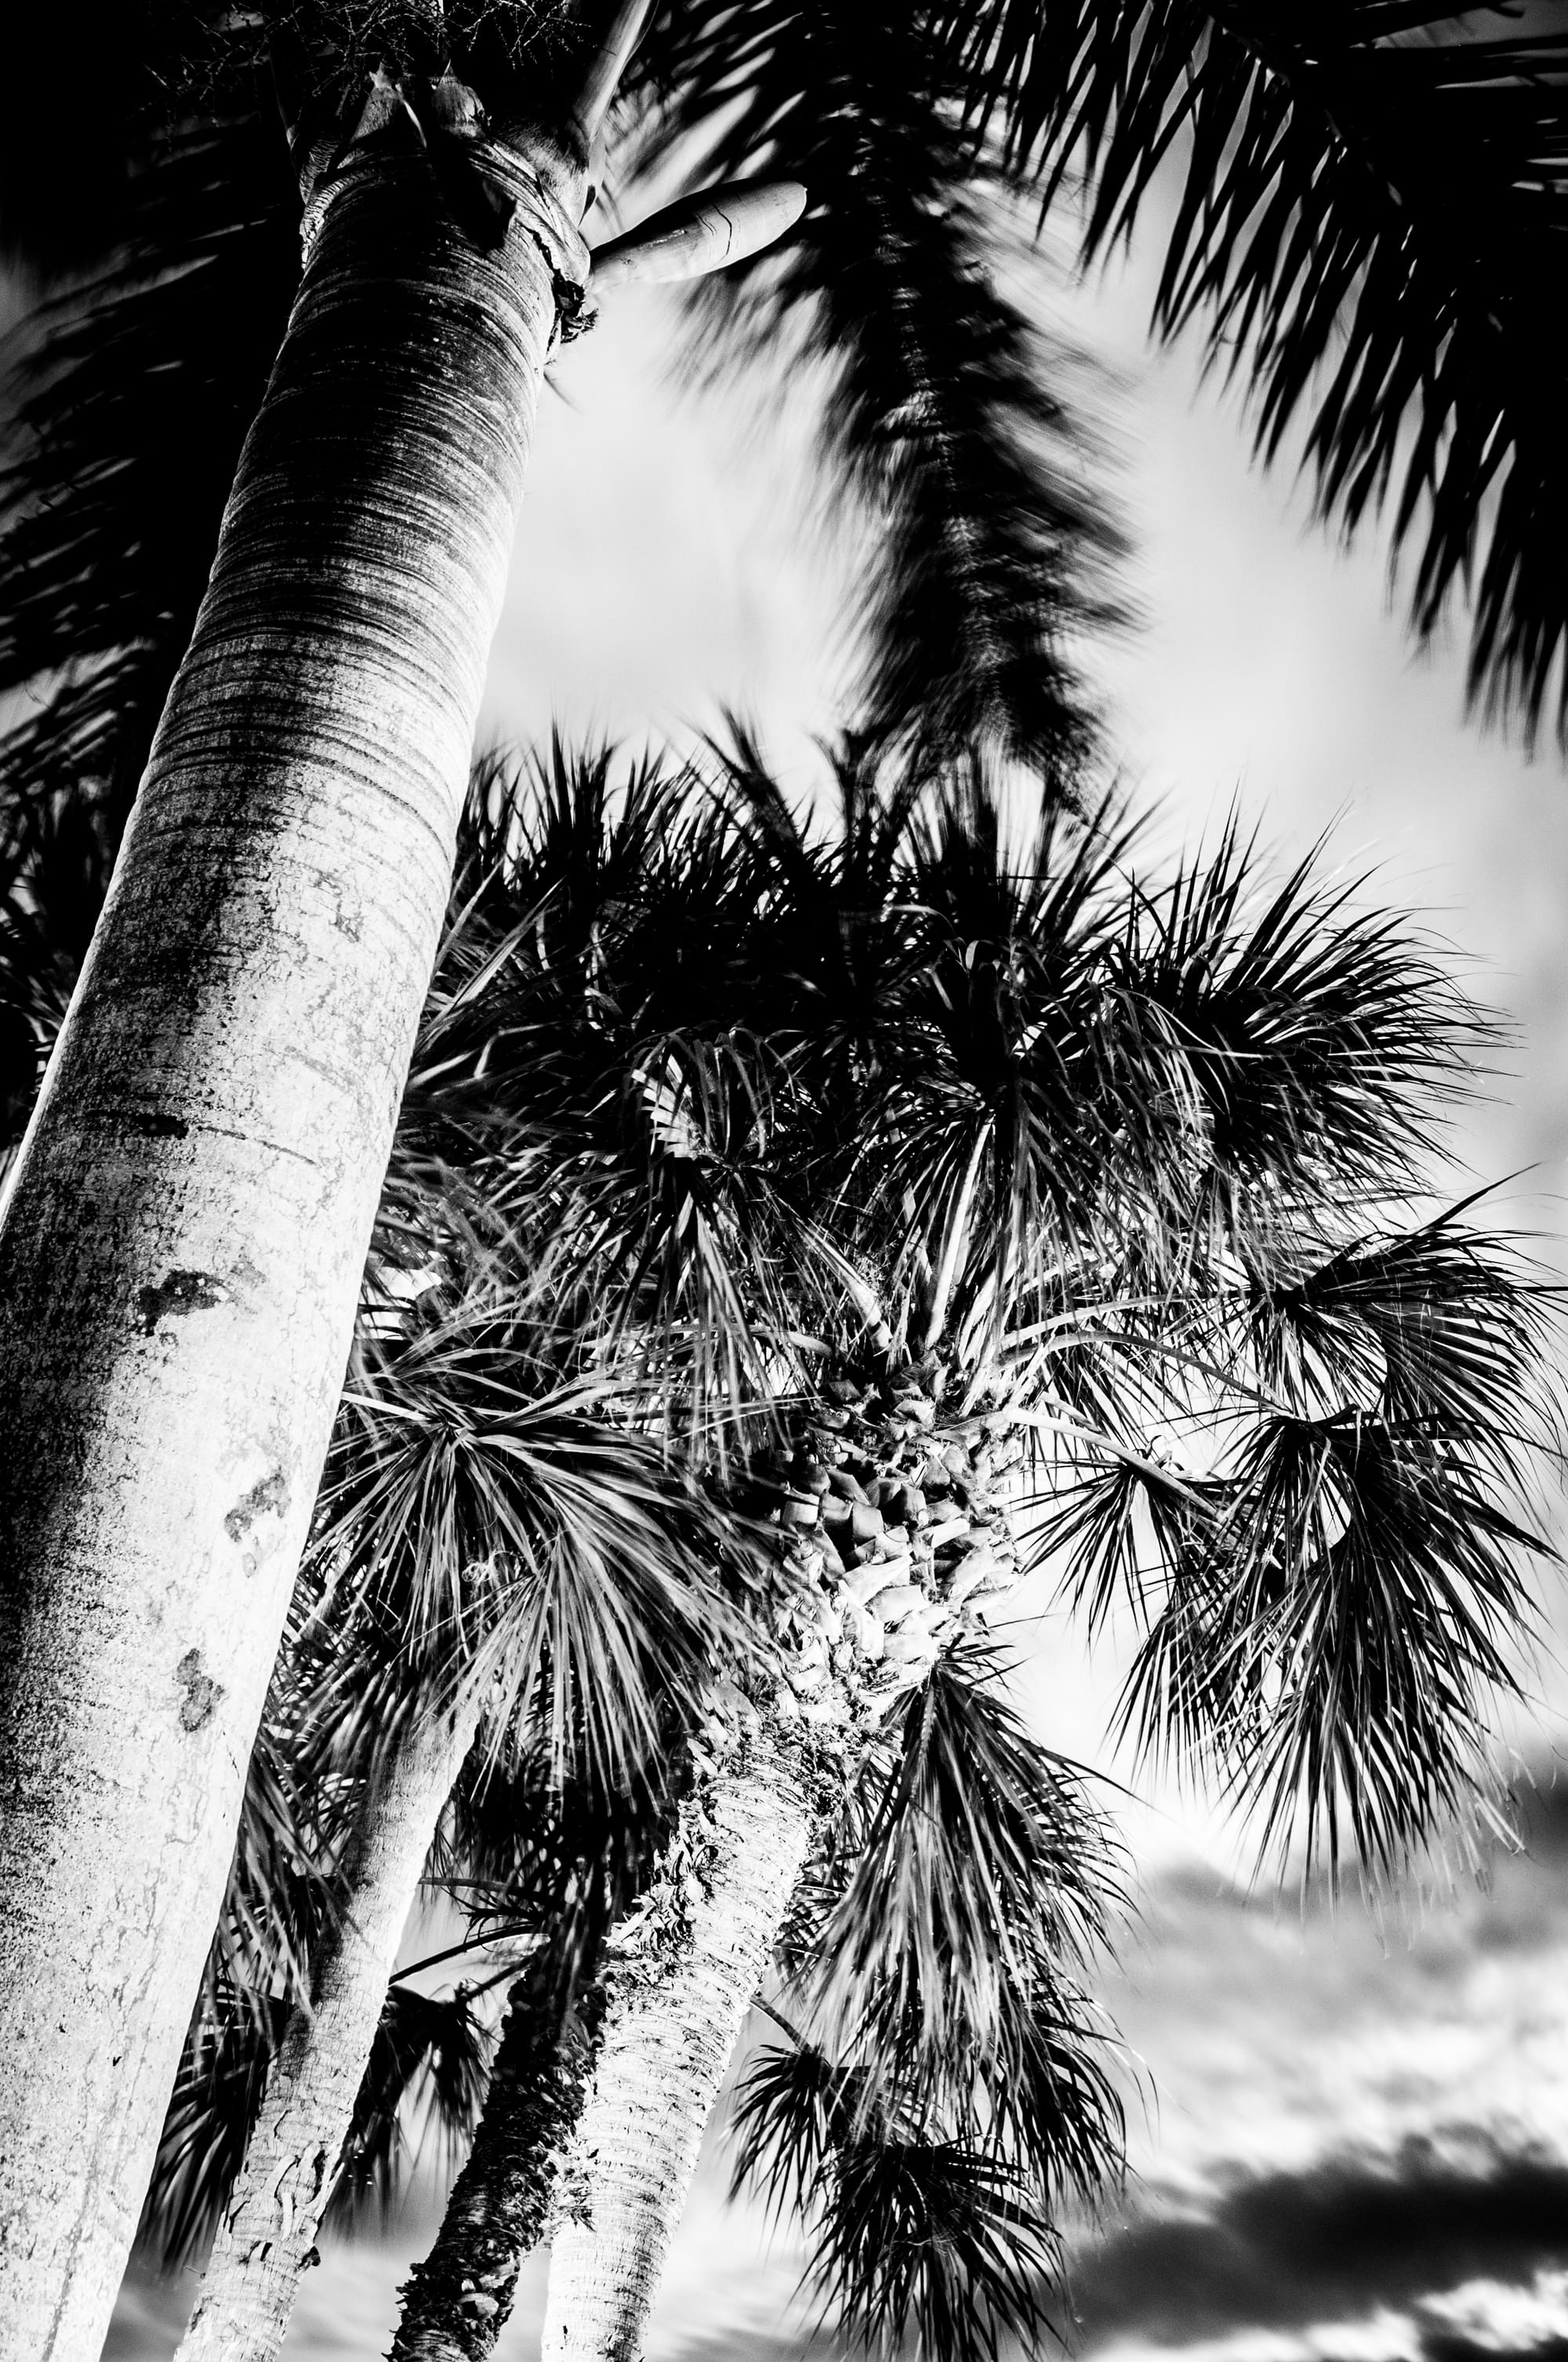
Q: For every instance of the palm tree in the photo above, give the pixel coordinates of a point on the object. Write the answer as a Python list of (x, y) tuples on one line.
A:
[(188, 1369), (472, 1440), (556, 1019), (570, 873), (939, 1024), (231, 1326)]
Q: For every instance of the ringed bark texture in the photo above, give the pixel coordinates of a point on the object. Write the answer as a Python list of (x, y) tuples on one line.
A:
[(458, 2301), (291, 2165), (669, 2030), (183, 1242)]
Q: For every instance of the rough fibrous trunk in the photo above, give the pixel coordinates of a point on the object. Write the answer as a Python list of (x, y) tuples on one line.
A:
[(896, 1537), (291, 2165), (183, 1243), (671, 2023), (458, 2301)]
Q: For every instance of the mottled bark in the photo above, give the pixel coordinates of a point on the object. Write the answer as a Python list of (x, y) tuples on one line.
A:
[(671, 2024), (458, 2301), (183, 1242), (292, 2163)]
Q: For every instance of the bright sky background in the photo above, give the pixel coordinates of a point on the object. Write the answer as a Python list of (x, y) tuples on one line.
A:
[(1361, 2143)]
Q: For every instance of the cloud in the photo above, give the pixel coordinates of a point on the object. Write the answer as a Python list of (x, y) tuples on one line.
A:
[(1286, 2250)]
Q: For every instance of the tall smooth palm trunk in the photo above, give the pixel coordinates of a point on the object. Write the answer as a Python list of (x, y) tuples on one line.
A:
[(290, 2166), (456, 2302), (672, 2019), (183, 1247)]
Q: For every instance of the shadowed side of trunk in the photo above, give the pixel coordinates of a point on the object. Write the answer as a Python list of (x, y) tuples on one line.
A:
[(291, 2165), (458, 2301), (184, 1240), (671, 2024)]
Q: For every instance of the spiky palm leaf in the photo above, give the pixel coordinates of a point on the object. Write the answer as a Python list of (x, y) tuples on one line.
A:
[(955, 2089), (1333, 1588), (481, 1522), (912, 2236), (980, 1881), (586, 1070), (1370, 228), (945, 407)]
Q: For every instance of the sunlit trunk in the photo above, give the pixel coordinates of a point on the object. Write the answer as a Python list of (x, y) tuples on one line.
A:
[(674, 2013), (290, 2166), (459, 2298), (183, 1247)]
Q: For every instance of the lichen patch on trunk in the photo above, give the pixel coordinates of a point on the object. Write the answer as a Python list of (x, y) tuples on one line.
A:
[(202, 1693), (178, 1293)]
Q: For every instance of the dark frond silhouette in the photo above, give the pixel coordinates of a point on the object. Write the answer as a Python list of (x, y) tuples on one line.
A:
[(1370, 230), (948, 409)]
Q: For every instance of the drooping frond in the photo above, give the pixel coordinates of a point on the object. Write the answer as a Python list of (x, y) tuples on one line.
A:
[(211, 2110), (431, 2051), (914, 2232), (1371, 228), (936, 2242), (977, 1831), (946, 1961), (428, 2065), (132, 394), (945, 408), (1331, 1555), (281, 1910), (1332, 1649)]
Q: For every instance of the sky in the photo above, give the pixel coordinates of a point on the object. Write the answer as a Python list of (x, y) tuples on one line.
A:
[(1351, 2142)]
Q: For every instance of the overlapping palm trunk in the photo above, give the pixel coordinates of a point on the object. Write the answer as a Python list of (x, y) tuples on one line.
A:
[(458, 2301), (290, 2165), (672, 2018), (182, 1246), (888, 1560)]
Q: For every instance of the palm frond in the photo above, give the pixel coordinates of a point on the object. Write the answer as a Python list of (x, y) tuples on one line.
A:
[(584, 1063), (1371, 225), (428, 2062), (211, 2111), (430, 2057), (793, 2111), (911, 2233), (937, 2242), (1443, 1326), (1120, 1522), (132, 392), (1331, 1644), (281, 1909), (1311, 1038), (981, 1874), (991, 548), (485, 1523)]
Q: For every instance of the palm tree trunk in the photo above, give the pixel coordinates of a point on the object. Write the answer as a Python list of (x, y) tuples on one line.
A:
[(184, 1241), (670, 2026), (291, 2165), (458, 2301)]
